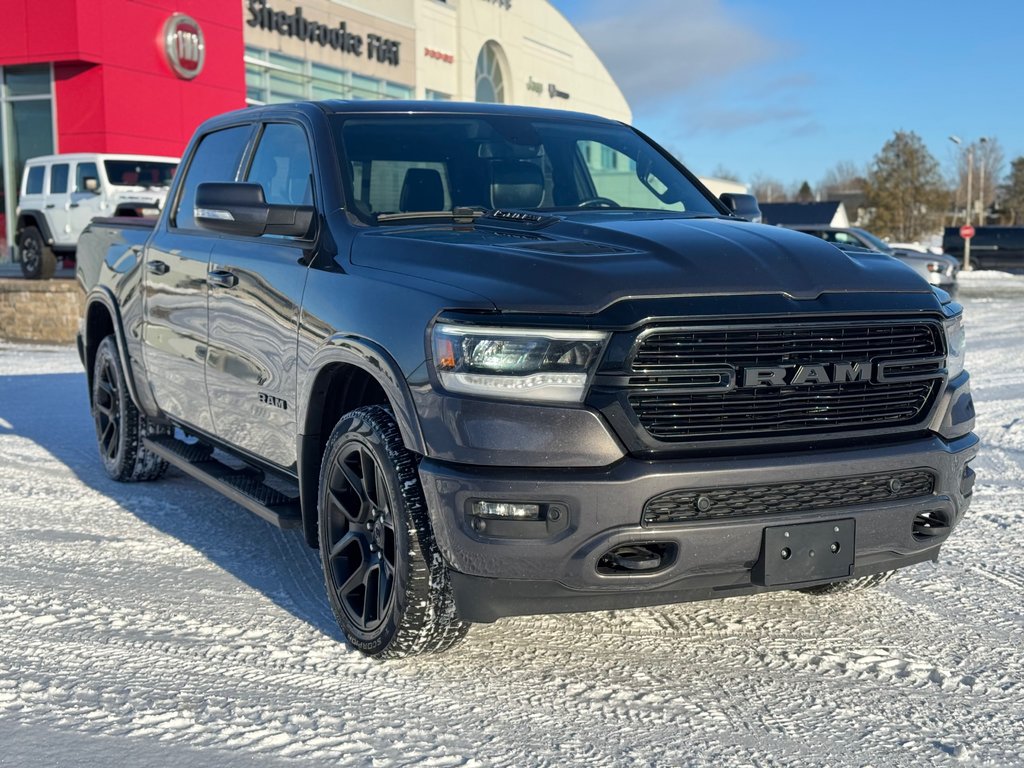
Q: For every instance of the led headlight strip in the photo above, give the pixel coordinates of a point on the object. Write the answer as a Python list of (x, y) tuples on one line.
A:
[(541, 365)]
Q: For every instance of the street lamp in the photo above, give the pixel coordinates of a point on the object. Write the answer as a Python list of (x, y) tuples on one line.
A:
[(967, 216), (981, 186)]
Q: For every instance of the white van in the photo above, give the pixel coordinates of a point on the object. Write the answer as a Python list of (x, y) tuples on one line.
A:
[(61, 194)]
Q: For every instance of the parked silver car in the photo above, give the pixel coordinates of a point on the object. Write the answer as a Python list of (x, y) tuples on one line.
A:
[(938, 269)]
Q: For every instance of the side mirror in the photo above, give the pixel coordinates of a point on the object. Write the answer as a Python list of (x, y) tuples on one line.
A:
[(91, 184), (744, 206), (235, 208)]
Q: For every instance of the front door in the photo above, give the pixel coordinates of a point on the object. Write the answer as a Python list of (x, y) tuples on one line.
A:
[(175, 326), (254, 310), (84, 203)]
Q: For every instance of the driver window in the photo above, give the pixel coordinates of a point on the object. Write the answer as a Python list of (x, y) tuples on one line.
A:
[(614, 176), (85, 171), (282, 166)]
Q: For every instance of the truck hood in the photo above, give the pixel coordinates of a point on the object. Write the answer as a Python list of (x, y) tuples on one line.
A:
[(584, 262)]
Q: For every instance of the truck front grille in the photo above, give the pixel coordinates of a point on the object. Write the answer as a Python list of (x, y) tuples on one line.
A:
[(672, 416), (687, 385), (716, 503)]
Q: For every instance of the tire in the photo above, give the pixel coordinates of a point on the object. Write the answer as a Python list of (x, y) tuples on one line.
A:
[(851, 585), (386, 580), (119, 425), (38, 261)]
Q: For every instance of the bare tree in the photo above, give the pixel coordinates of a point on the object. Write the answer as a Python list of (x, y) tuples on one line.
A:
[(988, 162), (844, 178), (721, 172), (905, 190), (768, 189)]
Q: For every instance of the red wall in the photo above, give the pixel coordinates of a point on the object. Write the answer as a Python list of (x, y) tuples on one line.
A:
[(114, 90)]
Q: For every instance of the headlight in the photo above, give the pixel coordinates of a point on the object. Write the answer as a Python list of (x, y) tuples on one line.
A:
[(551, 366), (956, 343)]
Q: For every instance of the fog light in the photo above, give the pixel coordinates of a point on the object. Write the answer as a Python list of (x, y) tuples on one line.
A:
[(506, 510)]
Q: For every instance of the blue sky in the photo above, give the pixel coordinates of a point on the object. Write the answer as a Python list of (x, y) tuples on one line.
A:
[(789, 88)]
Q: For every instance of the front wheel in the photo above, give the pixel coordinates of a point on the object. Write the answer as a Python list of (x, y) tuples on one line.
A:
[(120, 426), (386, 581)]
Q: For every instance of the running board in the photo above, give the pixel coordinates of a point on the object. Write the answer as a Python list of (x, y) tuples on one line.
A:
[(242, 486)]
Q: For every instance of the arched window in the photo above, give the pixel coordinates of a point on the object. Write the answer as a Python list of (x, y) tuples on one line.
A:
[(490, 77)]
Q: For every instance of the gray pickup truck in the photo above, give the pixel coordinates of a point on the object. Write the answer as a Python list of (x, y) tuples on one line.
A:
[(496, 361)]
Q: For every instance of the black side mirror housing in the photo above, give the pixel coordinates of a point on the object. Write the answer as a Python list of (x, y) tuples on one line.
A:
[(744, 206), (237, 208)]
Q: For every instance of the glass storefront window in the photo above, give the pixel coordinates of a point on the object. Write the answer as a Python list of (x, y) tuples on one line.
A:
[(490, 76), (26, 114), (272, 78), (28, 81)]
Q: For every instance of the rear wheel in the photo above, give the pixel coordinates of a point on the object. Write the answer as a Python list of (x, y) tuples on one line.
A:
[(120, 426), (38, 261), (386, 581), (851, 585)]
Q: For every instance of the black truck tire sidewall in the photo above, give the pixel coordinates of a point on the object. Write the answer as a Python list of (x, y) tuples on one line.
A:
[(422, 615), (131, 462), (42, 262)]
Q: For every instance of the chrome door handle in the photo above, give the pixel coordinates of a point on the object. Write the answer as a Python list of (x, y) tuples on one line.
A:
[(157, 267), (222, 278)]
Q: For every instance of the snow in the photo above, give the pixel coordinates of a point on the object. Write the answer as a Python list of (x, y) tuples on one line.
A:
[(159, 624)]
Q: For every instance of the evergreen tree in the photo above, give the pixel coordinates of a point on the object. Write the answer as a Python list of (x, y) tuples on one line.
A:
[(905, 190), (1013, 192)]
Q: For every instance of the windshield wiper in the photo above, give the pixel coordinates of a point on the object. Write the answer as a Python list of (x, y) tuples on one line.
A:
[(459, 214)]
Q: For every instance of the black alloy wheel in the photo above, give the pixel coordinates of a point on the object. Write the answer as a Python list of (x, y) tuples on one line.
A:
[(386, 580), (120, 427), (106, 408), (361, 530), (38, 261)]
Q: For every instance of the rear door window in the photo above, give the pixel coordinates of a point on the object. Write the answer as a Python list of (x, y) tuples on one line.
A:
[(59, 179), (215, 159)]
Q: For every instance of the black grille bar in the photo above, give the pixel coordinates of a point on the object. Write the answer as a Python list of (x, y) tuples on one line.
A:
[(717, 503), (662, 349)]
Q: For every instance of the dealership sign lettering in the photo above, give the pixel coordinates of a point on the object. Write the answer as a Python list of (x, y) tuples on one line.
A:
[(262, 16)]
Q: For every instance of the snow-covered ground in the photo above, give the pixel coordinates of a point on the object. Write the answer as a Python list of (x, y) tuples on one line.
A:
[(153, 625)]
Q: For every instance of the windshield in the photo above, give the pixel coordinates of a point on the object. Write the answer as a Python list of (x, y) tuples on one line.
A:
[(407, 164), (139, 173), (880, 245)]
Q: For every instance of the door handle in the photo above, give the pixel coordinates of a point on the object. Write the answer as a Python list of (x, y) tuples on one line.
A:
[(157, 267), (50, 205), (73, 205), (222, 278)]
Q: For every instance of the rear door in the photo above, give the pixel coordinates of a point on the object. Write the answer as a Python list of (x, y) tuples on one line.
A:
[(254, 309), (175, 325), (58, 204)]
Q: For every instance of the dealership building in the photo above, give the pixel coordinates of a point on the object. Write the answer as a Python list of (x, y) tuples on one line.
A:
[(138, 76)]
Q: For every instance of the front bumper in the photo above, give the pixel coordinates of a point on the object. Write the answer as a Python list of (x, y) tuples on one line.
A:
[(556, 569)]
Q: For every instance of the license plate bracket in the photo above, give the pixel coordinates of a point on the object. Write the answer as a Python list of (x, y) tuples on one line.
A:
[(806, 552)]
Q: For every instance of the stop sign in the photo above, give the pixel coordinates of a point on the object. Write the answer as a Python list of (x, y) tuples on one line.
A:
[(966, 231)]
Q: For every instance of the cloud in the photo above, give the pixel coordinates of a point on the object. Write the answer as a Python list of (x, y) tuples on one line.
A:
[(660, 49)]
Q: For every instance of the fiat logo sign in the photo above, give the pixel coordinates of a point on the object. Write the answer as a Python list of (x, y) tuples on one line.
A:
[(184, 45)]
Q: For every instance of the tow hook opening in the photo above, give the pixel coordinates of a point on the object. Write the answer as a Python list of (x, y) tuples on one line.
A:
[(930, 525), (637, 558)]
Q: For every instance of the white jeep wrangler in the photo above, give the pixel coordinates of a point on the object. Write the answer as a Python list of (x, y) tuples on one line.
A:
[(61, 194)]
